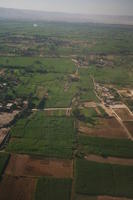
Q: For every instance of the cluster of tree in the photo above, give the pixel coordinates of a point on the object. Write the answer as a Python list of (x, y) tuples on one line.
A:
[(82, 117)]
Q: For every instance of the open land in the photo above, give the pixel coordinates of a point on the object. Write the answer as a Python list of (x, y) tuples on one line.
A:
[(24, 165), (66, 103)]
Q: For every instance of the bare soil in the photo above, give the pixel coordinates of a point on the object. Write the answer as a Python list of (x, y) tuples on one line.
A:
[(129, 126), (90, 104), (24, 165), (126, 92), (17, 188), (3, 134), (2, 72), (109, 128), (110, 160), (6, 118), (124, 114), (111, 198), (86, 197)]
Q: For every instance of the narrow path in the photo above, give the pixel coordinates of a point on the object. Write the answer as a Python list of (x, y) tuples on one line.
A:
[(109, 160), (107, 110), (52, 109), (73, 184), (122, 124), (111, 112)]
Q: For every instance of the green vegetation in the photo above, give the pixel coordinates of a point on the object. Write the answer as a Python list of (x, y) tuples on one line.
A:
[(37, 64), (106, 147), (41, 135), (52, 188), (102, 111), (103, 179), (4, 157), (88, 116), (54, 65), (86, 86), (39, 87), (118, 76), (65, 38)]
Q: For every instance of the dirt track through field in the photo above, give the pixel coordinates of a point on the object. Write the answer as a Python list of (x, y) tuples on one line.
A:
[(119, 116), (129, 135), (124, 114), (109, 128), (54, 109), (112, 198), (86, 197), (109, 160)]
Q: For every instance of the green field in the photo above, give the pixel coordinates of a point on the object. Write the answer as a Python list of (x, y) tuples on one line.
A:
[(86, 86), (41, 135), (39, 86), (65, 38), (120, 76), (63, 66), (106, 147), (37, 64), (103, 179), (52, 188), (4, 157)]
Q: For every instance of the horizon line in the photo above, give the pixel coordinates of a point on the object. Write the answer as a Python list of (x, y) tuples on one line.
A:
[(72, 13)]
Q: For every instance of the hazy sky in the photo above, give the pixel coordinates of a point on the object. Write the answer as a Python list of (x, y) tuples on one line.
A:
[(116, 7)]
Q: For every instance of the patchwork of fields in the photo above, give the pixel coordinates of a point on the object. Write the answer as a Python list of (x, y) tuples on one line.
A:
[(66, 121), (40, 135)]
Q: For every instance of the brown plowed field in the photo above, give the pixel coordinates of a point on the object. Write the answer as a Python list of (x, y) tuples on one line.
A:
[(111, 198), (3, 134), (109, 128), (24, 165), (6, 118), (110, 160), (85, 197), (124, 114), (129, 126), (17, 188)]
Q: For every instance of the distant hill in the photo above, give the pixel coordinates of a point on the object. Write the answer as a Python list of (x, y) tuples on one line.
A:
[(12, 14)]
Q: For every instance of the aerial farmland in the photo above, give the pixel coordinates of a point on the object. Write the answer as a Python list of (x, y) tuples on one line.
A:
[(66, 111)]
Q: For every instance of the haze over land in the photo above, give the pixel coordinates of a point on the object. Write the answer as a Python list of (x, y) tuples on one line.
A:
[(97, 11), (66, 100), (96, 7), (17, 14)]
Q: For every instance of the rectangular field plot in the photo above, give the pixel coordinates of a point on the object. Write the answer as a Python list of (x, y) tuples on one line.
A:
[(60, 65), (57, 112), (57, 189), (124, 114), (106, 147), (17, 188), (41, 135), (24, 165), (103, 179), (47, 89), (4, 157), (129, 125), (86, 86), (105, 127), (87, 197)]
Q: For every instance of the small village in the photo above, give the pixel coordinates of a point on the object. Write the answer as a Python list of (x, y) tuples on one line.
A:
[(108, 95), (9, 112)]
